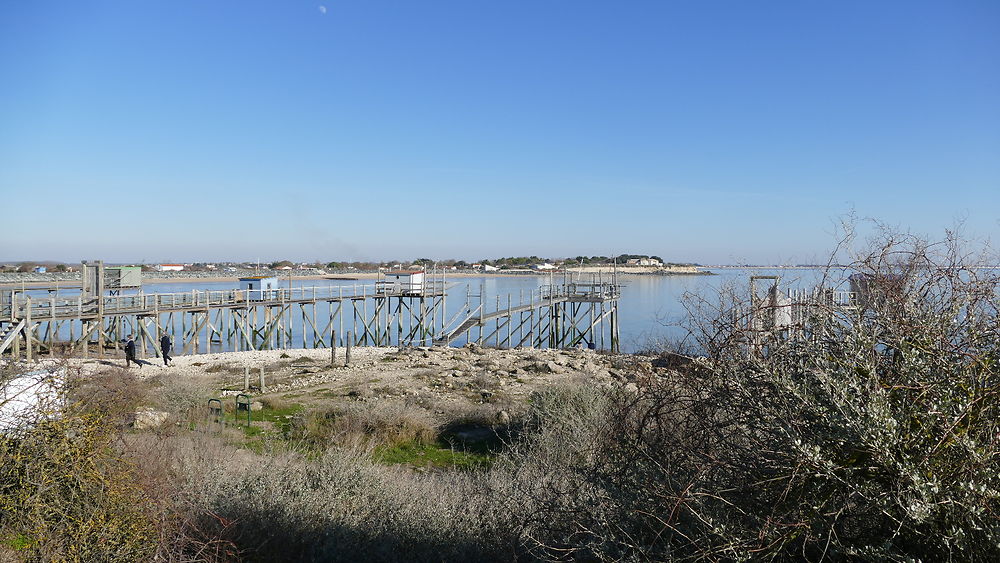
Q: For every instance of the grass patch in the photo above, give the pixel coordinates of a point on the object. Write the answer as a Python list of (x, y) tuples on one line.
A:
[(436, 455), (277, 416), (18, 542)]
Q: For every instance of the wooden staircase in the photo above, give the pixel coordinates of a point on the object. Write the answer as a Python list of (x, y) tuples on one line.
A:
[(452, 335), (8, 334)]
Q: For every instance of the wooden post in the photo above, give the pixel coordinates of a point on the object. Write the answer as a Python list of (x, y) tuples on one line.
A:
[(53, 329), (333, 347), (246, 378), (347, 358), (16, 345), (27, 329), (262, 388)]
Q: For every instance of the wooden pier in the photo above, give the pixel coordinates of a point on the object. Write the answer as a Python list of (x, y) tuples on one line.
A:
[(384, 313)]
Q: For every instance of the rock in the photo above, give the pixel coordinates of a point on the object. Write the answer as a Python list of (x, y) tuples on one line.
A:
[(256, 406), (485, 394), (671, 360), (147, 418), (488, 364), (553, 367), (621, 363), (503, 418)]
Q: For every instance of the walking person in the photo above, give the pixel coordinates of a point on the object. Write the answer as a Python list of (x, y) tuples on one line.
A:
[(165, 346), (130, 352)]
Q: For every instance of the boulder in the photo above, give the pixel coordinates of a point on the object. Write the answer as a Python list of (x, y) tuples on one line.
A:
[(148, 418)]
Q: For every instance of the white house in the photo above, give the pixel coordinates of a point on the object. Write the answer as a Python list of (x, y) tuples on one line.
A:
[(545, 266), (170, 268), (643, 262)]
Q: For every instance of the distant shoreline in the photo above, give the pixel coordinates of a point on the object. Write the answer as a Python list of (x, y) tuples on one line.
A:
[(72, 282)]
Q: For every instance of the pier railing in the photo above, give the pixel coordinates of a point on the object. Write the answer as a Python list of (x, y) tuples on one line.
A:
[(595, 291), (21, 306)]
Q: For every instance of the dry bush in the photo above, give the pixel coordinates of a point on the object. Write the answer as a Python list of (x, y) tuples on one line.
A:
[(67, 495), (866, 433), (113, 394), (277, 403), (183, 397), (384, 424), (342, 507), (75, 487), (484, 414)]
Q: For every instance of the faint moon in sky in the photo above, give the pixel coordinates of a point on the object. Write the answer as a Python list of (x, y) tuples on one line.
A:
[(322, 9)]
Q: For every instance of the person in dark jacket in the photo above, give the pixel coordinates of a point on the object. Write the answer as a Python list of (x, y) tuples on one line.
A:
[(130, 352), (165, 346)]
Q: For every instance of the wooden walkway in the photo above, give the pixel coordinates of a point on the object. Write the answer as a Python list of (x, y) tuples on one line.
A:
[(143, 304), (379, 314)]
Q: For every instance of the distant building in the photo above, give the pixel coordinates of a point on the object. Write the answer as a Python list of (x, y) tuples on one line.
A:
[(170, 268), (544, 266), (40, 269), (643, 262), (485, 267)]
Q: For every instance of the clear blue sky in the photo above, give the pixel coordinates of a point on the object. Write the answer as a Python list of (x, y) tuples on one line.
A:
[(695, 130)]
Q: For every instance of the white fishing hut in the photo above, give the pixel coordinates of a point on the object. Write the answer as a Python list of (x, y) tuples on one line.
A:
[(403, 282), (259, 288)]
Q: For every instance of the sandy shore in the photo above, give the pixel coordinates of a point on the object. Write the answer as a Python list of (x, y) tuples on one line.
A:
[(437, 378), (195, 365)]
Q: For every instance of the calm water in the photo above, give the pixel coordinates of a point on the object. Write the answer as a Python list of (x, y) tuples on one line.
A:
[(650, 308)]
